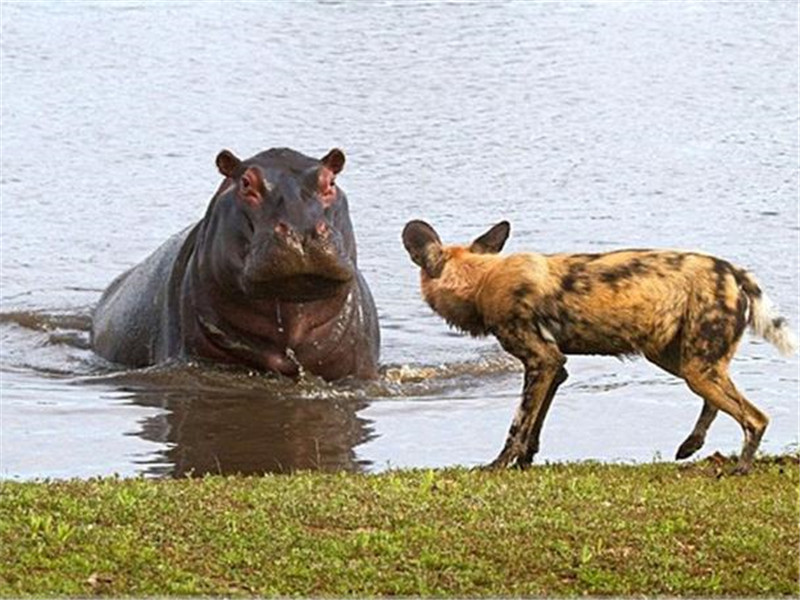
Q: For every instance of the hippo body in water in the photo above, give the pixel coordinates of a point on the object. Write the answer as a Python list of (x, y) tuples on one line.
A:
[(267, 279)]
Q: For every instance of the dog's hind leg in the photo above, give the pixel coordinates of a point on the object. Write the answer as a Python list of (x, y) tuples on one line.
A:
[(669, 359), (714, 323), (716, 388), (697, 438)]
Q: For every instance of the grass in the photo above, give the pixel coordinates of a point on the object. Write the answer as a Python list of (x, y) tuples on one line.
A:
[(563, 530)]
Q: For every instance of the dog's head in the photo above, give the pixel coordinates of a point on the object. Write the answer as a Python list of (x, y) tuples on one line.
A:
[(450, 275)]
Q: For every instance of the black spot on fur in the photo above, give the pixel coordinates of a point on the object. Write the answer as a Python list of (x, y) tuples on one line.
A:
[(524, 290), (721, 305), (577, 280), (518, 311), (531, 374), (563, 317), (550, 312), (723, 270), (568, 282), (586, 256), (641, 340), (722, 267), (670, 356), (675, 261), (716, 339), (512, 337), (634, 268), (616, 275), (778, 322), (744, 281), (741, 316)]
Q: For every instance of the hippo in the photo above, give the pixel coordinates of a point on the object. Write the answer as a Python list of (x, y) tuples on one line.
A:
[(267, 279)]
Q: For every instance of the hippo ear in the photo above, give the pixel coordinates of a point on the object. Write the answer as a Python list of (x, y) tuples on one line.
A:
[(424, 247), (493, 240), (227, 163), (334, 160)]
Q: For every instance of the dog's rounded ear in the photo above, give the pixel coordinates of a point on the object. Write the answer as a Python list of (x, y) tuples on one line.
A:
[(493, 240), (424, 247)]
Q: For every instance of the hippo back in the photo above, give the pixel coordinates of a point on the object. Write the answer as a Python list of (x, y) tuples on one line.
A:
[(132, 320)]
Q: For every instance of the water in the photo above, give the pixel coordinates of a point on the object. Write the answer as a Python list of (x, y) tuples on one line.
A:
[(588, 126)]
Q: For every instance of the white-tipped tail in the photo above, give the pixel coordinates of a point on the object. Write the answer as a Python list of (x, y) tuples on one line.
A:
[(766, 322)]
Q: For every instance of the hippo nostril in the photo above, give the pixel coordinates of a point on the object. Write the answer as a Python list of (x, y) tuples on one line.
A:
[(282, 229)]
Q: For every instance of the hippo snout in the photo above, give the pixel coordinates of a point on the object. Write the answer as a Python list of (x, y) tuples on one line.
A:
[(286, 233), (287, 263), (285, 237)]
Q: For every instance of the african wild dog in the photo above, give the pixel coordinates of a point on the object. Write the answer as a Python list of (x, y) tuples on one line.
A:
[(683, 311)]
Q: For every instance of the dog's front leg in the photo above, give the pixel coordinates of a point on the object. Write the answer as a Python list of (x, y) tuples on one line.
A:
[(543, 365), (533, 440)]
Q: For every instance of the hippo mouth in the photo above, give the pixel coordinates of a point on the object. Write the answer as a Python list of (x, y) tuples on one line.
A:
[(299, 287), (298, 274), (304, 288)]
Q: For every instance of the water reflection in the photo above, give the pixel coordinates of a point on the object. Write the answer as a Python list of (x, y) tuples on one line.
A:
[(248, 432)]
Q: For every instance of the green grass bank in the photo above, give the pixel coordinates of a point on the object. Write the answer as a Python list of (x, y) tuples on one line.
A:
[(556, 530)]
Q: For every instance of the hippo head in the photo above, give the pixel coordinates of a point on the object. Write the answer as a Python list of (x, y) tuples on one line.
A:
[(279, 227)]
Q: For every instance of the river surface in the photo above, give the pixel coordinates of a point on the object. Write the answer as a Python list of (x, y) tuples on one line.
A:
[(589, 127)]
